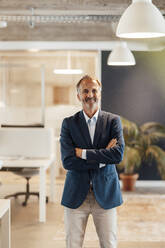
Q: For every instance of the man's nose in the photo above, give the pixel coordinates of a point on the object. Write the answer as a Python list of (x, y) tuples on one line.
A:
[(90, 94)]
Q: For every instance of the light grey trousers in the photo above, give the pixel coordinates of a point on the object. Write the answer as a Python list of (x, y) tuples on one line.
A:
[(76, 220)]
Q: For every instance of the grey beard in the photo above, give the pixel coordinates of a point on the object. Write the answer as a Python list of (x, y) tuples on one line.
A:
[(91, 107)]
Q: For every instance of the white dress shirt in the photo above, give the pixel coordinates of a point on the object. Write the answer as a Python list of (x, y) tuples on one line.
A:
[(91, 123)]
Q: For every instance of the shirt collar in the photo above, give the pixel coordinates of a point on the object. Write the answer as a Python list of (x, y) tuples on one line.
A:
[(94, 117)]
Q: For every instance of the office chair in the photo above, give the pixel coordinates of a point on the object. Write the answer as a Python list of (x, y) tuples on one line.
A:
[(27, 173), (32, 151)]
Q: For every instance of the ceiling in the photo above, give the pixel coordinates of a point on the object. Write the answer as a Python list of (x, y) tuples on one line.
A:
[(67, 20)]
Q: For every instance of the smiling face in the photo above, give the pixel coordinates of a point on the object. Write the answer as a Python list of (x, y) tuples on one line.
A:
[(89, 94)]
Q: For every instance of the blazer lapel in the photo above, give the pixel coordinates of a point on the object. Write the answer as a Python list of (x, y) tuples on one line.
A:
[(84, 130), (98, 129)]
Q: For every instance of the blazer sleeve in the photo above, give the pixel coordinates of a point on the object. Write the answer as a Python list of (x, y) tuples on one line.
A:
[(68, 155), (112, 155)]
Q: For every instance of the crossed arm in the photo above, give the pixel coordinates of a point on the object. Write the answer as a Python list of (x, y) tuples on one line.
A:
[(111, 144), (111, 154)]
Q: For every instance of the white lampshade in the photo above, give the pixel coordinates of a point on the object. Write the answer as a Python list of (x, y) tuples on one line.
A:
[(33, 50), (121, 55), (141, 19)]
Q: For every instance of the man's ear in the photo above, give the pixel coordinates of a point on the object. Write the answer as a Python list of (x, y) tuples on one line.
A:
[(78, 96)]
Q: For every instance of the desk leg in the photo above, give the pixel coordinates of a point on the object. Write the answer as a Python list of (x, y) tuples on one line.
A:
[(42, 200), (52, 182), (5, 230)]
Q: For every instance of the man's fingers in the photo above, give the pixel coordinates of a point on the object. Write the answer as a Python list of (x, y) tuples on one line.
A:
[(111, 146), (76, 150), (112, 143)]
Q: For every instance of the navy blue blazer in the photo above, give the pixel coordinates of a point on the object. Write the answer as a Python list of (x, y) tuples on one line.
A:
[(74, 133)]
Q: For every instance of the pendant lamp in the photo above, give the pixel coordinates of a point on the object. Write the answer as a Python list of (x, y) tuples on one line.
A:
[(141, 19), (121, 55)]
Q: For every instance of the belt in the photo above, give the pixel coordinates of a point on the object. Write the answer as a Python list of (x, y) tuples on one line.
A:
[(90, 188)]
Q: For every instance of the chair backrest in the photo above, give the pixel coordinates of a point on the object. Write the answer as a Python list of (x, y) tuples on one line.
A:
[(27, 142)]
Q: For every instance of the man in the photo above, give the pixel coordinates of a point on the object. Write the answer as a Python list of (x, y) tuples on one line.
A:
[(91, 144)]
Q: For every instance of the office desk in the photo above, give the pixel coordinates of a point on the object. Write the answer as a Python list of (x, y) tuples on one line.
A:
[(4, 223), (0, 168), (43, 165)]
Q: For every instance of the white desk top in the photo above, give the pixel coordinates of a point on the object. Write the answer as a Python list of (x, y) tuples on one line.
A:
[(27, 162), (4, 206), (1, 163)]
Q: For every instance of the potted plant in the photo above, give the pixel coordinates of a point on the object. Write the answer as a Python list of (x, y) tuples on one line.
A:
[(141, 144)]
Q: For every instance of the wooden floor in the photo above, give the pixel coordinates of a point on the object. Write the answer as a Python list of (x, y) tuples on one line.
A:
[(27, 232)]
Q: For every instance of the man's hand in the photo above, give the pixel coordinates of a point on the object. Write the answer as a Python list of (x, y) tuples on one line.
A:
[(78, 152), (111, 143)]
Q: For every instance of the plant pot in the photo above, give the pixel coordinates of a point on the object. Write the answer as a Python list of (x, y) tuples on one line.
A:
[(128, 181)]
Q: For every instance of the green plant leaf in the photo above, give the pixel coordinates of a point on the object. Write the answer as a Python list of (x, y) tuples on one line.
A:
[(156, 153), (150, 127), (142, 145), (131, 160)]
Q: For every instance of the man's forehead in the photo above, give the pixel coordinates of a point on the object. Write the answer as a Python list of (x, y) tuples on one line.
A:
[(89, 83)]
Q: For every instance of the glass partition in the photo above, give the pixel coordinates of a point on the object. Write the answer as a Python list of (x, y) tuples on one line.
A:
[(22, 94)]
